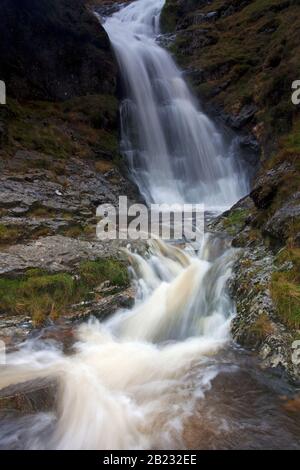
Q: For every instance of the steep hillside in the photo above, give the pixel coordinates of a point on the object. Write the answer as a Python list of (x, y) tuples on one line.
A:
[(241, 58), (53, 50), (59, 159)]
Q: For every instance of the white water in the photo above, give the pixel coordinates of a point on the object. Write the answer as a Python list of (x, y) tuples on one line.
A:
[(174, 151), (133, 381)]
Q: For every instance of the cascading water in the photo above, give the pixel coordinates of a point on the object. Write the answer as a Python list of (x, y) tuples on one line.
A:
[(159, 376), (133, 380), (174, 151), (143, 378)]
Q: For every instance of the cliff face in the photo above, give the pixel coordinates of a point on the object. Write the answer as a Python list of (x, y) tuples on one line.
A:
[(53, 50), (61, 78), (59, 159), (241, 58)]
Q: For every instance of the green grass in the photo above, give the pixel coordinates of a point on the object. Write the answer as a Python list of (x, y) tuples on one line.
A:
[(37, 294), (8, 235), (235, 221), (41, 294), (285, 287), (254, 57), (61, 130), (261, 328), (48, 139), (92, 272), (168, 17), (292, 141), (99, 110)]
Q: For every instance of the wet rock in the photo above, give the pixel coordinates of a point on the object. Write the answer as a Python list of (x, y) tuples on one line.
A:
[(102, 307), (256, 324), (14, 329), (38, 202), (166, 40), (234, 221), (29, 397), (278, 226), (250, 149), (80, 187), (19, 210), (54, 254), (106, 7), (30, 226), (245, 115), (266, 185), (296, 353)]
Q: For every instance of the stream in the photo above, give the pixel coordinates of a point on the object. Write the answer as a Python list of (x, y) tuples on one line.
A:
[(164, 374)]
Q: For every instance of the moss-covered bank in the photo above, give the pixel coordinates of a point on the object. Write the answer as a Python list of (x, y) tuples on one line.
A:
[(42, 294)]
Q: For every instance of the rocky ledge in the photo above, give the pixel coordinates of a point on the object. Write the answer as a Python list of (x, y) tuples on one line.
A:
[(52, 266), (263, 281), (241, 59), (59, 160)]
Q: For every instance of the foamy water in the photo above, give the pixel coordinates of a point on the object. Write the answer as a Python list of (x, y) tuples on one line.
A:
[(131, 382)]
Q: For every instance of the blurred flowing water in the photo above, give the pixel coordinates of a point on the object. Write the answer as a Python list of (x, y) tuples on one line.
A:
[(174, 151), (164, 374)]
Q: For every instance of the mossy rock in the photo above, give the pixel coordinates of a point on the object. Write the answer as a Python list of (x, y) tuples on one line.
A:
[(82, 127), (9, 234), (235, 220), (42, 294), (285, 286)]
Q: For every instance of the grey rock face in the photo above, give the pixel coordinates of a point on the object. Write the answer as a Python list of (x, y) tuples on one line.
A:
[(80, 188), (32, 199), (60, 52), (279, 224), (243, 117), (30, 397), (257, 325), (54, 254), (267, 184)]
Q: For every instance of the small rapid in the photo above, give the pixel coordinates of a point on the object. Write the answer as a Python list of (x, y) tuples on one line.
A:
[(162, 375), (132, 381)]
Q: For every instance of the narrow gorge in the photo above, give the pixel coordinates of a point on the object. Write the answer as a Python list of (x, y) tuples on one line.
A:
[(149, 344)]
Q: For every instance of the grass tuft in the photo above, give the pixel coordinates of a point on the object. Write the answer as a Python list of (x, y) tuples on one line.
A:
[(41, 294), (285, 286)]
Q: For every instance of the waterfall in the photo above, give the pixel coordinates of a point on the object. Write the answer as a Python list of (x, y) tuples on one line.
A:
[(135, 380), (175, 153)]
